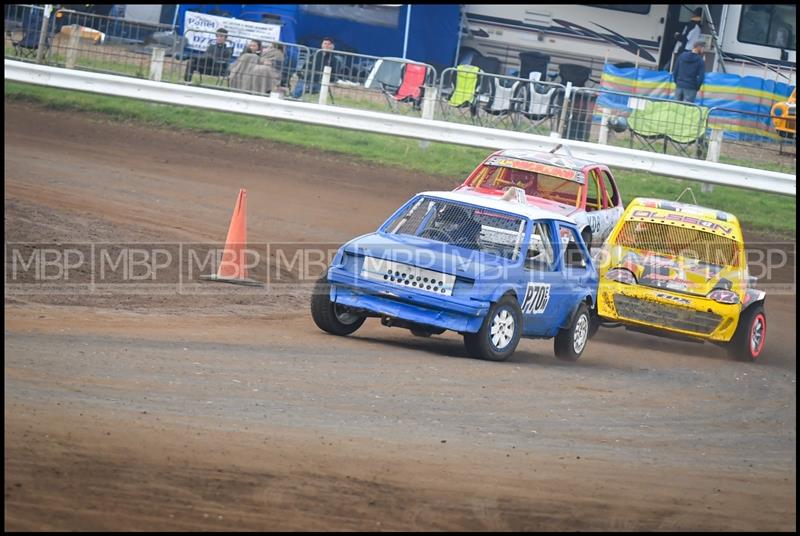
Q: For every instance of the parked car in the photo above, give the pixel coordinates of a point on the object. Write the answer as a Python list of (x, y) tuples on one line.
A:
[(676, 269), (583, 190), (784, 117), (492, 268)]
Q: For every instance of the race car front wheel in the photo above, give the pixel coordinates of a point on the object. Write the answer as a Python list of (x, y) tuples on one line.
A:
[(571, 341), (500, 332), (329, 316), (747, 343)]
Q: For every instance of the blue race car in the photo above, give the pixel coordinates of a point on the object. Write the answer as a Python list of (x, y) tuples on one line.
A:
[(494, 269)]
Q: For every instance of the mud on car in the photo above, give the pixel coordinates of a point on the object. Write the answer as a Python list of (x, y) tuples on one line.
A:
[(493, 269), (680, 270), (583, 190)]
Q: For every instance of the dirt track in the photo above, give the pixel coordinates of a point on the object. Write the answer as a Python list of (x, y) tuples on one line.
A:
[(228, 409)]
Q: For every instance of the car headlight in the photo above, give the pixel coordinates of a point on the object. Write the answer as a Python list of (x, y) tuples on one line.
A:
[(723, 296), (621, 275)]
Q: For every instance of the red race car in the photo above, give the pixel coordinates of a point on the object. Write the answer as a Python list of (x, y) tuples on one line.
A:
[(584, 190)]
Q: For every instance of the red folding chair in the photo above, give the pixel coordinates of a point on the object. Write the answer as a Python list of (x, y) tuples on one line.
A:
[(410, 89)]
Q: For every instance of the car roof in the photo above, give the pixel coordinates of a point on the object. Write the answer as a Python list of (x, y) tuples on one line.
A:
[(490, 201), (553, 159)]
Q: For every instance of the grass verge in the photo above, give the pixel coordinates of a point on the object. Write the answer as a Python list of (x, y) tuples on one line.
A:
[(758, 211)]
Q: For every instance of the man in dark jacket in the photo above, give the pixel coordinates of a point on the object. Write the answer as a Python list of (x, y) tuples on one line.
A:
[(690, 71), (215, 59), (312, 81)]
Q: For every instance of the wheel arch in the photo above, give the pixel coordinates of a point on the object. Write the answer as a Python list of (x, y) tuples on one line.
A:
[(502, 291), (588, 300)]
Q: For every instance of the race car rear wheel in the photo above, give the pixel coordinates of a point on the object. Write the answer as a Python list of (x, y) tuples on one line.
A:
[(747, 342), (594, 322), (571, 341), (329, 316), (500, 332)]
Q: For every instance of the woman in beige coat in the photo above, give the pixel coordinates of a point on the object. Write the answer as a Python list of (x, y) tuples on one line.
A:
[(270, 65), (240, 73), (258, 71)]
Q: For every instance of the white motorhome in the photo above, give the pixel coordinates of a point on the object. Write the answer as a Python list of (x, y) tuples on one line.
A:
[(755, 39)]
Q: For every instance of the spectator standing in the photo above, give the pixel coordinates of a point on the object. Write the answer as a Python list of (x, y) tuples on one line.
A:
[(691, 33), (690, 72), (312, 80), (214, 60)]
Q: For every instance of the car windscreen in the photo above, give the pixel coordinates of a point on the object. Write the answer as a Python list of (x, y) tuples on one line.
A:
[(534, 183), (458, 224), (672, 240)]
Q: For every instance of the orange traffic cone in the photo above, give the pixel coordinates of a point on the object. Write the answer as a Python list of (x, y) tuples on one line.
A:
[(232, 267)]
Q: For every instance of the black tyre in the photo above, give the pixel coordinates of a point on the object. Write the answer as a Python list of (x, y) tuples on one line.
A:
[(570, 342), (747, 343), (331, 317), (500, 332), (594, 322)]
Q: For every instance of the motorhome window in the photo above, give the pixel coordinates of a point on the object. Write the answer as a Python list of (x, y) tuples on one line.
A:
[(641, 9), (769, 25)]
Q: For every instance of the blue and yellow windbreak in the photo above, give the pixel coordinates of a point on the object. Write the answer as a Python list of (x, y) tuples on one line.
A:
[(745, 94)]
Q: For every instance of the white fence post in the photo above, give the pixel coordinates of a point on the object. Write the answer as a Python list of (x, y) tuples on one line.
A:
[(157, 64), (73, 45), (603, 138), (715, 145), (326, 80), (48, 9), (563, 130), (429, 102)]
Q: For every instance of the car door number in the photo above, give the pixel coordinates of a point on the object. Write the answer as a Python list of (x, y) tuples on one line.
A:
[(536, 297)]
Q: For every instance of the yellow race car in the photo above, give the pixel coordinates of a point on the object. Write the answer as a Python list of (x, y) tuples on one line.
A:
[(784, 117), (680, 270)]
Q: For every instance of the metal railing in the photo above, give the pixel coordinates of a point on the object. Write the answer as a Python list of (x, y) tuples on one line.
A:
[(640, 122), (498, 101), (262, 72), (398, 125), (744, 135), (113, 45), (363, 81)]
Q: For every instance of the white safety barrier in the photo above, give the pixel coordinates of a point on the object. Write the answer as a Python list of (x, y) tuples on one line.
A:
[(383, 123)]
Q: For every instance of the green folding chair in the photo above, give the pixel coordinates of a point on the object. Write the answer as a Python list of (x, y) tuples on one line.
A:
[(677, 124), (466, 82)]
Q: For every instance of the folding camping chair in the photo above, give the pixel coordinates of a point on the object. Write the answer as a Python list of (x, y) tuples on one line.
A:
[(25, 37), (676, 124), (459, 89), (410, 89), (465, 86), (537, 105), (498, 103)]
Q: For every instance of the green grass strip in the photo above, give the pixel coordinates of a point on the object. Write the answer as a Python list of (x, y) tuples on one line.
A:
[(758, 211)]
